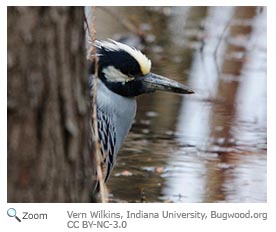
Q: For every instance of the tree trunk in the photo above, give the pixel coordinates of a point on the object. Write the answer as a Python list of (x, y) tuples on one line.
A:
[(48, 155)]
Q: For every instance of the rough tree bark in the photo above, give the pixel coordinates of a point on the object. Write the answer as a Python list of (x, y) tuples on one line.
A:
[(48, 155)]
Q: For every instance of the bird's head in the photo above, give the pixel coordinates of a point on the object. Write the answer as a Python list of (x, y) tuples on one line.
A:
[(126, 71)]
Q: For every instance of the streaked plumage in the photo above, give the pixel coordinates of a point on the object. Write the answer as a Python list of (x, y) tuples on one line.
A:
[(124, 73), (115, 115)]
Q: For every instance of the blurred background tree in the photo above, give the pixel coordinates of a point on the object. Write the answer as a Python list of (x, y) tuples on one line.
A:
[(48, 158)]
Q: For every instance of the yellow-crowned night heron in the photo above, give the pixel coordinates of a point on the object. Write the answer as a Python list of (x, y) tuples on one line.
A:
[(124, 73)]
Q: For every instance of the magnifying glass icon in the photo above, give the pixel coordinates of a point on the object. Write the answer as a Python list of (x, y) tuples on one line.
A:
[(12, 213)]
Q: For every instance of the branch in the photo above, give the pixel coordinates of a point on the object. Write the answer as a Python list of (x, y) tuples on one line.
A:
[(219, 43), (100, 165)]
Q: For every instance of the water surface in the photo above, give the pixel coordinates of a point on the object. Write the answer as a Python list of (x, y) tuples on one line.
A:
[(208, 147)]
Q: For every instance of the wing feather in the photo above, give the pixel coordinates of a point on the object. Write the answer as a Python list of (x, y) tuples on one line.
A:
[(107, 135)]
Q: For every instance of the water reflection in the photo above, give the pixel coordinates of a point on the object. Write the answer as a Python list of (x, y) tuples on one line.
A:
[(209, 147)]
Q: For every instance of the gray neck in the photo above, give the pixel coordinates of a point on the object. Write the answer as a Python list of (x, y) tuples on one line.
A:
[(120, 109)]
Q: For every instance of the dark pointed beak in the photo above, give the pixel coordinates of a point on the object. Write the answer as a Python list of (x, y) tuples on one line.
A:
[(154, 82)]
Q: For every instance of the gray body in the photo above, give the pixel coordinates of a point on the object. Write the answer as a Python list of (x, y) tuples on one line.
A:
[(124, 73), (115, 116)]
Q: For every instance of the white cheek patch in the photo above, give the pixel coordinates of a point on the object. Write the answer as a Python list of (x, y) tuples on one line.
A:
[(114, 75)]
